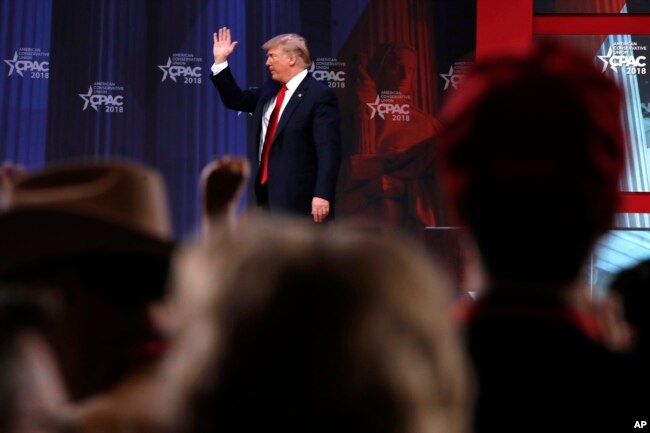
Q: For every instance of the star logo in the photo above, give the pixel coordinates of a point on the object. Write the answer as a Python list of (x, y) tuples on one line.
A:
[(452, 78), (606, 62), (12, 65), (165, 69), (86, 98), (373, 106), (449, 78)]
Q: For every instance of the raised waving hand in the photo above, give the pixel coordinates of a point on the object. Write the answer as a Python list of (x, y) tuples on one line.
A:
[(223, 46)]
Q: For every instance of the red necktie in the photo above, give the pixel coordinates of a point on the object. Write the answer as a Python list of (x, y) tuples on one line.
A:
[(270, 132)]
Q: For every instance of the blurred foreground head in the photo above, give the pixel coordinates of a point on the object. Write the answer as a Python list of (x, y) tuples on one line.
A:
[(94, 239), (531, 159), (288, 328)]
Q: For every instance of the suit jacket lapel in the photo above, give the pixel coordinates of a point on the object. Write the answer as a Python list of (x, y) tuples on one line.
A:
[(296, 99)]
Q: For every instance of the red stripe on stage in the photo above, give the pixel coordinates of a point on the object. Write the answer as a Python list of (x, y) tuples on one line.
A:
[(591, 24), (635, 202)]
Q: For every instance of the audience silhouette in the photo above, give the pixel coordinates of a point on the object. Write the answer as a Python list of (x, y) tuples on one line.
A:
[(285, 327), (95, 239), (531, 158)]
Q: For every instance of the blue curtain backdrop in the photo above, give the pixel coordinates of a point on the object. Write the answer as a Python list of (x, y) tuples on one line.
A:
[(154, 56), (25, 48)]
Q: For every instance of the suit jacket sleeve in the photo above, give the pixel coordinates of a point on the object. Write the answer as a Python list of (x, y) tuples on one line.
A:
[(327, 139), (232, 95)]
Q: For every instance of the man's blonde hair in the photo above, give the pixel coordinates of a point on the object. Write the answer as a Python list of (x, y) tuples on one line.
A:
[(292, 44)]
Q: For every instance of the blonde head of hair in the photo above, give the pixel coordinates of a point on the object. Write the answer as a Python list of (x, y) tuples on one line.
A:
[(293, 45), (285, 325)]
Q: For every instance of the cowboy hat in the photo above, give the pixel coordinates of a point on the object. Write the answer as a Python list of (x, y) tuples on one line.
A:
[(114, 207)]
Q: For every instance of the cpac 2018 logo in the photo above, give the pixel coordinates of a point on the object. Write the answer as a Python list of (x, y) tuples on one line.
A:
[(381, 109), (189, 75), (631, 65), (35, 68), (321, 69), (111, 104)]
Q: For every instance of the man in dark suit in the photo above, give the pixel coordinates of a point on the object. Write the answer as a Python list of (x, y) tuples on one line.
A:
[(298, 143)]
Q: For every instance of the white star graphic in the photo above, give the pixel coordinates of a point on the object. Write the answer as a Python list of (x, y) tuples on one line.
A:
[(165, 69), (605, 60), (373, 107), (447, 77), (86, 98), (12, 65)]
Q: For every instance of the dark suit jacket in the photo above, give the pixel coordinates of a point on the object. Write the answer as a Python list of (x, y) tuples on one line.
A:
[(306, 152)]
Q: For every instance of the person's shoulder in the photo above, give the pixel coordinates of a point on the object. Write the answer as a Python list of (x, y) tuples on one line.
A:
[(317, 84)]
